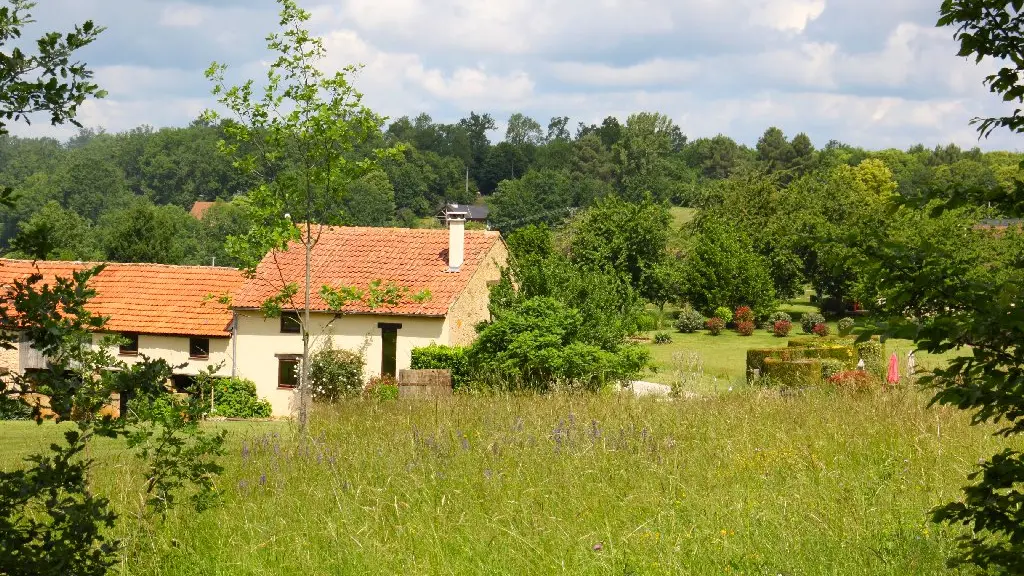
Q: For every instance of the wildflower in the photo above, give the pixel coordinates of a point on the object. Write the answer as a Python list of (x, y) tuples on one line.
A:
[(724, 532), (263, 479), (487, 473), (598, 547), (245, 451)]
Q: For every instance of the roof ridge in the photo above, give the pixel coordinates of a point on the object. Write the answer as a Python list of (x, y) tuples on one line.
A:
[(97, 263)]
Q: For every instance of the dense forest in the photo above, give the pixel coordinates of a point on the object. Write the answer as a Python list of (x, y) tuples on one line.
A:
[(126, 197)]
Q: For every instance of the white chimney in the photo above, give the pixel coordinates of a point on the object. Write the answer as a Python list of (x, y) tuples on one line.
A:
[(456, 237)]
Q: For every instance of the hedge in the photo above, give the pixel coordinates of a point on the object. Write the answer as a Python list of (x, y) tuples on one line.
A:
[(757, 356), (873, 353), (845, 355), (793, 373), (451, 358)]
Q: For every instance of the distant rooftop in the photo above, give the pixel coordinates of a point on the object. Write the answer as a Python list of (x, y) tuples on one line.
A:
[(473, 212), (200, 208)]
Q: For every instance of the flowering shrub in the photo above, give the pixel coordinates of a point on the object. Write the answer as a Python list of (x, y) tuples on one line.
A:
[(383, 387), (724, 314), (846, 326), (810, 320), (853, 380), (334, 374), (662, 338), (716, 325), (820, 329), (781, 328), (745, 328), (743, 314), (237, 398), (689, 321)]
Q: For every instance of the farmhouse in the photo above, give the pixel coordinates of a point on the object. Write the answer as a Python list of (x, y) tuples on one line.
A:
[(454, 266), (168, 312)]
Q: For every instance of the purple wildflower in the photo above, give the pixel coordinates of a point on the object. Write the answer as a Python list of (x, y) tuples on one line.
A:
[(263, 479)]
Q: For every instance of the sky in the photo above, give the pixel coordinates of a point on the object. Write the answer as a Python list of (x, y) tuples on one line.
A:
[(872, 73)]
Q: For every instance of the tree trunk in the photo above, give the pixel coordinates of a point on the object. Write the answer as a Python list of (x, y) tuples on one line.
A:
[(304, 392)]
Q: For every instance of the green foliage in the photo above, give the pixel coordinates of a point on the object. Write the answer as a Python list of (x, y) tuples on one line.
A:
[(792, 373), (722, 269), (646, 322), (809, 320), (370, 201), (690, 321), (541, 343), (335, 374), (778, 316), (846, 326), (237, 398), (455, 359), (873, 354), (662, 338), (48, 81), (382, 388), (724, 314), (624, 238), (830, 367)]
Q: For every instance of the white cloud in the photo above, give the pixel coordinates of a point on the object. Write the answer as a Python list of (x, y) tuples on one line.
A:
[(183, 15), (786, 15)]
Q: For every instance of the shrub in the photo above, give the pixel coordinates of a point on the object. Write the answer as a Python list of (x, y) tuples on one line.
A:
[(382, 387), (781, 328), (715, 325), (454, 359), (662, 338), (745, 328), (792, 373), (334, 374), (853, 380), (14, 409), (743, 314), (873, 353), (820, 329), (778, 316), (236, 398), (846, 326), (724, 314), (645, 322), (810, 320), (689, 321), (831, 367)]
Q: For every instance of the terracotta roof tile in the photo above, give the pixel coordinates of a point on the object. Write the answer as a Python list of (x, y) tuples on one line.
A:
[(147, 298), (199, 209), (416, 259)]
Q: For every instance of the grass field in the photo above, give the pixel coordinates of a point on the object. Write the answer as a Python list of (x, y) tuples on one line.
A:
[(738, 483)]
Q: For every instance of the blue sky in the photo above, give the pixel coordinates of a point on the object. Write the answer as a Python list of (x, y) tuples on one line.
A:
[(874, 73)]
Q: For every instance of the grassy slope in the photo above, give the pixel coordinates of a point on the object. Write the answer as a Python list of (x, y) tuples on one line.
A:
[(739, 483)]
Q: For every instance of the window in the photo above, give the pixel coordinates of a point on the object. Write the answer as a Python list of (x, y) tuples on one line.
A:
[(389, 348), (130, 345), (288, 371), (290, 323), (199, 348)]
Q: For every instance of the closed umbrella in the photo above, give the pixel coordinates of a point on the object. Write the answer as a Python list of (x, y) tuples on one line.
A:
[(894, 369)]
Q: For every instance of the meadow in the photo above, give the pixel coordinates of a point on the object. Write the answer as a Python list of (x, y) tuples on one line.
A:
[(747, 482)]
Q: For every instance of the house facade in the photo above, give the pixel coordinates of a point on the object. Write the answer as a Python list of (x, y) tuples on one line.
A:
[(174, 313), (455, 266)]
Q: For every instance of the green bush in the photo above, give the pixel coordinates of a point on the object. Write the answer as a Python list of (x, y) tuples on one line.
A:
[(662, 338), (382, 388), (756, 357), (334, 374), (646, 322), (690, 321), (454, 359), (724, 314), (846, 326), (14, 409), (830, 367), (792, 373), (236, 398), (873, 353), (810, 320)]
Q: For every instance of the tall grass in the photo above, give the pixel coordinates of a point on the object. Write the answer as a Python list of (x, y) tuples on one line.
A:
[(743, 483)]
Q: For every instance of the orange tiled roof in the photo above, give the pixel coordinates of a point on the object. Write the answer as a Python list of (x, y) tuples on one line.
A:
[(199, 209), (147, 298), (416, 259)]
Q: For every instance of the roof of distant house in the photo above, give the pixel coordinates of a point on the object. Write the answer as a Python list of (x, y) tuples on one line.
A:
[(147, 298), (473, 212), (199, 209), (416, 259), (1000, 223)]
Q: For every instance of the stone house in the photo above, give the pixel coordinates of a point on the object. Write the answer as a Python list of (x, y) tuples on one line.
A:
[(168, 312), (456, 266)]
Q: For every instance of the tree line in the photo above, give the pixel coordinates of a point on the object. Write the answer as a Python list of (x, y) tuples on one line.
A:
[(125, 196)]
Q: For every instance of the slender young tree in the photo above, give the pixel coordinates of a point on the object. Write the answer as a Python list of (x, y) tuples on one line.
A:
[(302, 135)]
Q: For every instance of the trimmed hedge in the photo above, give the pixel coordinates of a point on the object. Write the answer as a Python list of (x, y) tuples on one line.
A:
[(793, 373), (451, 358), (756, 357), (873, 353)]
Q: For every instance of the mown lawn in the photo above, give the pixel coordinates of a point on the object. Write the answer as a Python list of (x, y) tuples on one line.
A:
[(737, 483)]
